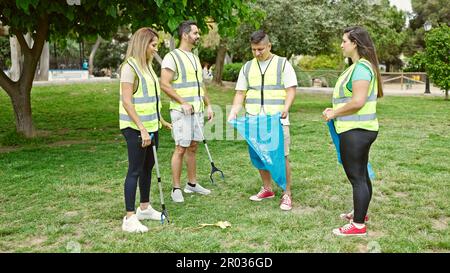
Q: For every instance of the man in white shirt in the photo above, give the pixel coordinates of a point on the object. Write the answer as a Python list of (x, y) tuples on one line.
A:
[(182, 81), (267, 84)]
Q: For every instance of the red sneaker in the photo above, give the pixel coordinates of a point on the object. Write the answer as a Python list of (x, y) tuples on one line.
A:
[(286, 202), (349, 217), (350, 230), (262, 194)]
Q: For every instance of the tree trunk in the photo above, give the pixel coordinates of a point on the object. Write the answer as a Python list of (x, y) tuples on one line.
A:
[(220, 59), (446, 94), (4, 31), (20, 95), (92, 55), (20, 91), (44, 63), (388, 67), (158, 58), (21, 102), (227, 59), (171, 43), (16, 56)]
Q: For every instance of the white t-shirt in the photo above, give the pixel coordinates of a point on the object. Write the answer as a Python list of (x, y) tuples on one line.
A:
[(289, 79), (127, 73), (169, 62)]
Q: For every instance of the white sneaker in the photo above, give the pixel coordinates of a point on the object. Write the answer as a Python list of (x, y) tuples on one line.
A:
[(148, 214), (132, 224), (198, 188), (177, 196)]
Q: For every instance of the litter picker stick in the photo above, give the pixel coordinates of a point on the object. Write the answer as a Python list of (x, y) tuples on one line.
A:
[(164, 213), (213, 167)]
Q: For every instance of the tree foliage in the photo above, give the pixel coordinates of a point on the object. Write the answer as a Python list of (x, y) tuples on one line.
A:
[(387, 28), (51, 19), (5, 53), (231, 71), (436, 12), (313, 27), (109, 56), (385, 23), (437, 43), (111, 53), (325, 62), (207, 55), (416, 63), (87, 19), (294, 27)]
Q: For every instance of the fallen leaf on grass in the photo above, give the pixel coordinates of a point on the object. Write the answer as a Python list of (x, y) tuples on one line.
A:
[(221, 224)]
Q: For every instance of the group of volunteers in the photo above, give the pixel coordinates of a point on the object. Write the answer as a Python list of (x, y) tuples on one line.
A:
[(266, 82)]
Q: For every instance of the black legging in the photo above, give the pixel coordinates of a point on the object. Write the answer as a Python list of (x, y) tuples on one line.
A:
[(140, 165), (355, 145)]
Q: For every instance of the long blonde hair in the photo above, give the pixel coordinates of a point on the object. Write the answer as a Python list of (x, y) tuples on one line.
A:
[(138, 44)]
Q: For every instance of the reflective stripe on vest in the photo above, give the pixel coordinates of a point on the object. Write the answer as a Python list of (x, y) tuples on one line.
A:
[(144, 100), (265, 92), (366, 117), (188, 83), (268, 101), (362, 117), (372, 97), (151, 117), (193, 99)]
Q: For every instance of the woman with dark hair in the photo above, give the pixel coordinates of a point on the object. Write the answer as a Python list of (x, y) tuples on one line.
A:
[(354, 115)]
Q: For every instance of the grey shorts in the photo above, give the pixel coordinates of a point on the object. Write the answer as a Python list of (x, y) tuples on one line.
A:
[(185, 128)]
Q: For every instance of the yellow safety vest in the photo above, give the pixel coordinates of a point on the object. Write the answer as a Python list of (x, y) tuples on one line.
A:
[(265, 91), (366, 117), (189, 81), (146, 100)]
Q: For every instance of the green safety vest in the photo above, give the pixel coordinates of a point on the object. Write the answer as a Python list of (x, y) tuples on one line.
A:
[(189, 81), (146, 100), (366, 117), (265, 91)]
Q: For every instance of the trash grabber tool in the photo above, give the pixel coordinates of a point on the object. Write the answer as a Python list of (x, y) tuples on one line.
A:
[(164, 214), (214, 169)]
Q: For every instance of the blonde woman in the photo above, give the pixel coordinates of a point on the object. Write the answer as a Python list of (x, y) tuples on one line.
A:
[(140, 120)]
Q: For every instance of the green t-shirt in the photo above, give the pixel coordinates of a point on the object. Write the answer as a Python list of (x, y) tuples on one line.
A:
[(361, 72)]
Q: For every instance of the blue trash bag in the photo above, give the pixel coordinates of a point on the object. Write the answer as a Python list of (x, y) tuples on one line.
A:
[(336, 141), (264, 135)]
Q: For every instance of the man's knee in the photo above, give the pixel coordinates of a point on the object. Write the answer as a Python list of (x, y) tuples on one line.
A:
[(180, 151), (193, 148)]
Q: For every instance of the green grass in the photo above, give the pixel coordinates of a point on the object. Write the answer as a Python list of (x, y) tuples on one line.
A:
[(66, 185)]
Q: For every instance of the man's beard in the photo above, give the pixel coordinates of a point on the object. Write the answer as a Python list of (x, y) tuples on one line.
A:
[(195, 42)]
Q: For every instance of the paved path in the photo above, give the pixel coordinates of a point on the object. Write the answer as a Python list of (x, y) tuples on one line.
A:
[(60, 82), (389, 89)]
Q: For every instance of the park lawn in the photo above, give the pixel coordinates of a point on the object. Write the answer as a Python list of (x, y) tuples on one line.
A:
[(63, 190)]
